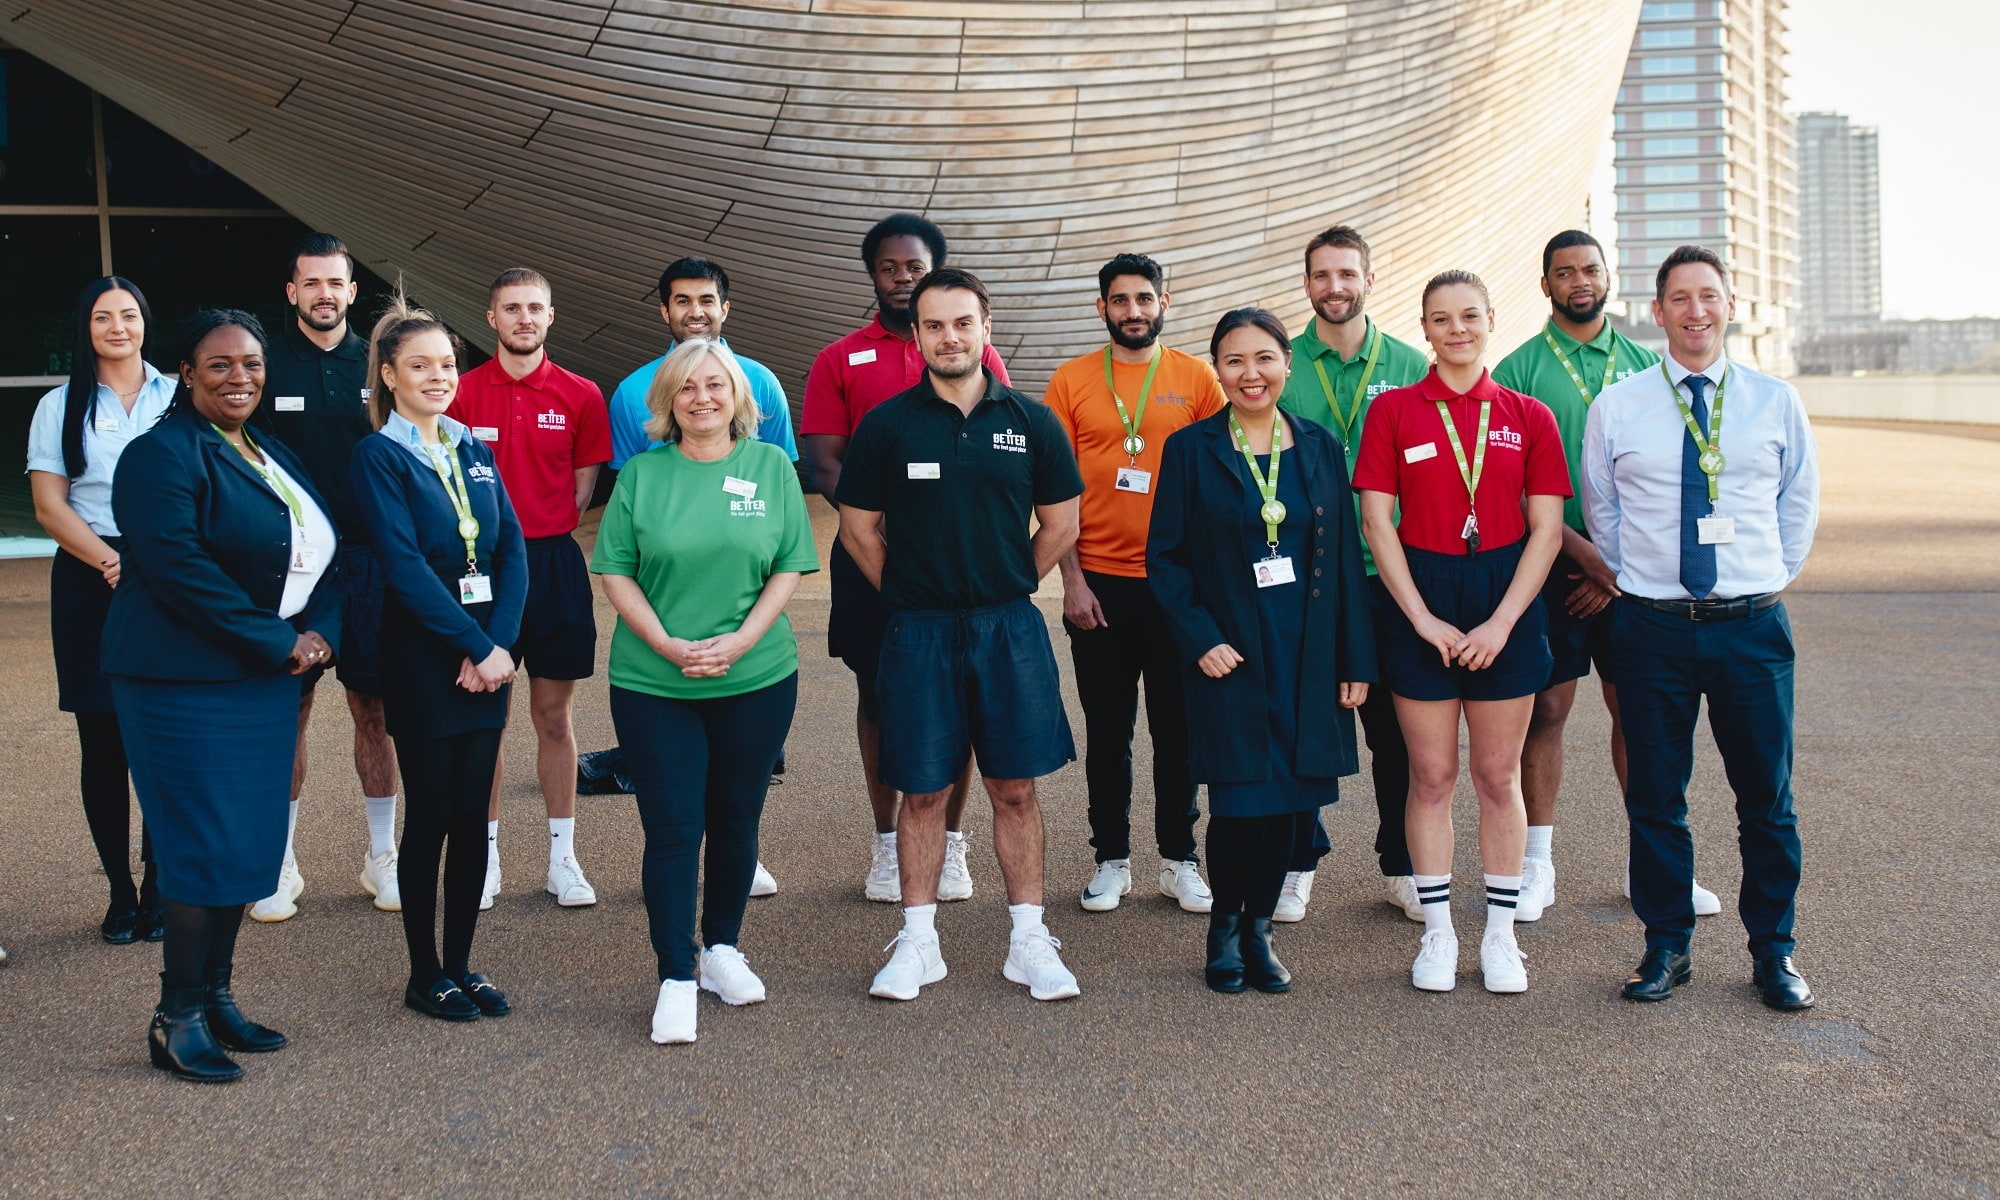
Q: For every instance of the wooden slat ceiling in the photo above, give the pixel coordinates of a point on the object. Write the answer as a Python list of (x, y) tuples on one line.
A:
[(597, 140)]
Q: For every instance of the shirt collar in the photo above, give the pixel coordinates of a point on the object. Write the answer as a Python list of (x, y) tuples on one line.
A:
[(1431, 387), (403, 432), (352, 345), (928, 391), (1714, 370), (1314, 347), (1602, 342), (537, 379)]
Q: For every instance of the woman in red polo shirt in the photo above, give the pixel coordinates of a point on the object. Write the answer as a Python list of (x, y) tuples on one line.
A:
[(1465, 563)]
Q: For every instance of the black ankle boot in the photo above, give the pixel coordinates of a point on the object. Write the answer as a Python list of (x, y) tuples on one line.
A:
[(1225, 956), (230, 1028), (180, 1042), (1261, 968)]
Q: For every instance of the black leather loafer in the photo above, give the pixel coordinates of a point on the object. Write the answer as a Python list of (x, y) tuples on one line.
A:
[(491, 1000), (152, 924), (1657, 975), (120, 926), (1779, 985), (443, 1000)]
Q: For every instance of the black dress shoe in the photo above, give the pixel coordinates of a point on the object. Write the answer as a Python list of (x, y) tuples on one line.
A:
[(492, 1002), (1261, 968), (120, 926), (152, 924), (231, 1029), (443, 1000), (1657, 975), (1224, 972), (179, 1039), (1779, 985)]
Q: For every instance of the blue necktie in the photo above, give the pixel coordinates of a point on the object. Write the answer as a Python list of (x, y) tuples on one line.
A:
[(1697, 560)]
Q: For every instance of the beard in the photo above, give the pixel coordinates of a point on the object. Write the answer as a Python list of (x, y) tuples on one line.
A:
[(524, 345), (970, 366), (324, 324), (1354, 308), (1585, 314), (1152, 334)]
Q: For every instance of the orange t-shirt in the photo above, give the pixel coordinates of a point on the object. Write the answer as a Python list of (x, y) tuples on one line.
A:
[(1111, 539)]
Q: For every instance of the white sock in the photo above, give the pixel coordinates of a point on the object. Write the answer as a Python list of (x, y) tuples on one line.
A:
[(381, 823), (1539, 837), (920, 920), (291, 827), (562, 839), (1502, 892), (953, 835), (493, 841), (886, 839), (1027, 917), (1434, 893)]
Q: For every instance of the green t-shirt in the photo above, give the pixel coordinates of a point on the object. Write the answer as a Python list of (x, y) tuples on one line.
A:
[(1398, 365), (701, 539), (1533, 370)]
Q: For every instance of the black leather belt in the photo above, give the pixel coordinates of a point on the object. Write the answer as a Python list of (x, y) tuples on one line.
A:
[(1708, 610)]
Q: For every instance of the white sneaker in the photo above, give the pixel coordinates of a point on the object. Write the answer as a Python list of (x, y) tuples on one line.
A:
[(1538, 890), (491, 888), (568, 886), (378, 879), (673, 1016), (1706, 903), (1182, 880), (1501, 961), (1032, 960), (914, 962), (280, 905), (1403, 894), (763, 883), (955, 880), (884, 884), (1112, 881), (724, 972), (1436, 968), (1292, 900)]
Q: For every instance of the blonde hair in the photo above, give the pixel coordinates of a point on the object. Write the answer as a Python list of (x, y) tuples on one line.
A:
[(398, 324), (677, 368)]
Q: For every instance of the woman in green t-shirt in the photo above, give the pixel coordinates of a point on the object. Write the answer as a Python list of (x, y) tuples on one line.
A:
[(701, 546)]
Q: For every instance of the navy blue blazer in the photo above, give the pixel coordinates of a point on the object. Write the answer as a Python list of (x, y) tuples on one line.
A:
[(207, 547), (1201, 569)]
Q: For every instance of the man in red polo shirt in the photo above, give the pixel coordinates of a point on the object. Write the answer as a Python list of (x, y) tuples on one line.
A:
[(847, 381), (550, 432)]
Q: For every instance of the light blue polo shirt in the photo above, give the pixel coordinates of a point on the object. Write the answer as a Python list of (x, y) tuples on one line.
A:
[(629, 413), (105, 435)]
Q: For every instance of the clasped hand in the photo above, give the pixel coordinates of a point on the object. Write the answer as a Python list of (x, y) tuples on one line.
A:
[(490, 674), (709, 658), (1474, 651)]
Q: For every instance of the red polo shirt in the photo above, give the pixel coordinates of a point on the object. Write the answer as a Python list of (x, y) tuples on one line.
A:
[(860, 371), (1404, 452), (543, 428)]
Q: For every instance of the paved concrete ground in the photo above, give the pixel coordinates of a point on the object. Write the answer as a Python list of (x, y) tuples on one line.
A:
[(1147, 1084)]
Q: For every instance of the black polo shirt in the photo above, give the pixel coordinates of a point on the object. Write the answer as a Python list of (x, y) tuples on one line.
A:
[(315, 402), (957, 492)]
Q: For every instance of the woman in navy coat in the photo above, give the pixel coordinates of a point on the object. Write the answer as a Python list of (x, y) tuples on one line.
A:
[(1256, 561), (225, 598)]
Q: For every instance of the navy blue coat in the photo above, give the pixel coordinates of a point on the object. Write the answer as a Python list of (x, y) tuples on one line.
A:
[(1201, 569), (207, 547)]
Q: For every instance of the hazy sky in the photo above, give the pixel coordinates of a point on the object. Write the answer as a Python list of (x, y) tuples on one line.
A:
[(1921, 72)]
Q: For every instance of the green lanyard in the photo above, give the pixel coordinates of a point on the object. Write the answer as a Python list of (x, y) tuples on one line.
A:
[(1470, 474), (1575, 376), (269, 476), (461, 500), (1347, 419), (1273, 509), (1710, 460), (1134, 444)]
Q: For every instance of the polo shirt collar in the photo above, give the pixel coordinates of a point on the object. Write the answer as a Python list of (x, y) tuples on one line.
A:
[(401, 430), (537, 378), (992, 395), (352, 345), (1314, 347), (1714, 370), (1431, 387), (1600, 343)]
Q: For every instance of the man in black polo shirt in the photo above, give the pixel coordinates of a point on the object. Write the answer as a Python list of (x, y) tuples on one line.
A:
[(954, 466), (316, 402)]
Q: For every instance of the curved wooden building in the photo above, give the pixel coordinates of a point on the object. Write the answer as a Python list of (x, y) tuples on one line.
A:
[(599, 139)]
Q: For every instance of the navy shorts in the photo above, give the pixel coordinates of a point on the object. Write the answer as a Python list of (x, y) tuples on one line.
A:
[(979, 681), (559, 622), (359, 665), (1576, 642), (1463, 590)]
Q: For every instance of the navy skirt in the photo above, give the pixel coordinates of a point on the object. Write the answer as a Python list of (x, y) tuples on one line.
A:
[(79, 600), (1464, 590), (212, 764)]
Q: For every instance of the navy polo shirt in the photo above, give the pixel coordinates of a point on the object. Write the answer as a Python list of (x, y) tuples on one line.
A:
[(957, 492), (316, 403)]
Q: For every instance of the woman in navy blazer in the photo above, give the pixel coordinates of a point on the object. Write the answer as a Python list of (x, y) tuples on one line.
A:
[(1273, 631), (225, 598)]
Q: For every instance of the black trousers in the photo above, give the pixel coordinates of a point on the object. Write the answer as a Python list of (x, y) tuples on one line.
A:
[(446, 782), (1389, 756), (1110, 662), (700, 768), (107, 809), (1247, 860)]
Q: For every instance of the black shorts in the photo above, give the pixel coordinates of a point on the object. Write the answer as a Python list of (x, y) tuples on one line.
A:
[(358, 666), (79, 602), (856, 623), (559, 622), (1575, 642), (1463, 590)]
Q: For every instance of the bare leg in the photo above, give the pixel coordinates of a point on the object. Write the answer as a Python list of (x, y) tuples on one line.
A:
[(881, 797), (549, 703), (1617, 735), (1496, 729), (920, 846), (299, 746), (374, 753), (1017, 838), (1542, 752), (1430, 730), (954, 808)]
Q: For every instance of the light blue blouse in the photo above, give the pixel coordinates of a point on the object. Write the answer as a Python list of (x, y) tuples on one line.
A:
[(105, 435)]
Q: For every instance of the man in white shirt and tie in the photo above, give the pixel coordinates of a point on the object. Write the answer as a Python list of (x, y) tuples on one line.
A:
[(1701, 489)]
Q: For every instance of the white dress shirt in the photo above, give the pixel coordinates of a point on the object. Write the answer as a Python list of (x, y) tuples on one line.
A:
[(1632, 481), (312, 545)]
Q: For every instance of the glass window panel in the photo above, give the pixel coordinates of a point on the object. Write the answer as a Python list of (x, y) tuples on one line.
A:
[(1673, 64), (1664, 39), (45, 261), (149, 168), (45, 147)]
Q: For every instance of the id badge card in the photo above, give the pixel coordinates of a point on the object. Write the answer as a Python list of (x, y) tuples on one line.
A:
[(305, 560), (1132, 479), (1715, 531), (475, 589), (1274, 572)]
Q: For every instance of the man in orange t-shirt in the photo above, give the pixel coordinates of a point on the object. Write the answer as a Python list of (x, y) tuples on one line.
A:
[(1119, 404)]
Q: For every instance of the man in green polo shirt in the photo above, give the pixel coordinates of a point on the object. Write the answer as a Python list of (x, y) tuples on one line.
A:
[(1340, 363), (1566, 364)]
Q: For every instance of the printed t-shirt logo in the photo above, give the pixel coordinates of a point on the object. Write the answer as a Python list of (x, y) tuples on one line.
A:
[(1504, 436), (1171, 399), (480, 473), (1016, 443), (746, 508), (552, 419)]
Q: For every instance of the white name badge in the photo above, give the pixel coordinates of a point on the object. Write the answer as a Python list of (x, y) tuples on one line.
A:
[(106, 424), (1715, 531), (291, 404), (922, 470), (1132, 479), (1417, 454), (486, 433), (305, 559), (1272, 572), (475, 589), (859, 357), (739, 487)]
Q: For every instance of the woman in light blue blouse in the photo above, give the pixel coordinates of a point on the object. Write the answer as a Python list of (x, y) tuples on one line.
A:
[(79, 430)]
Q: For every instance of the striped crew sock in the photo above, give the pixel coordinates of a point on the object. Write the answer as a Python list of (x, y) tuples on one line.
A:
[(1502, 892), (1434, 893)]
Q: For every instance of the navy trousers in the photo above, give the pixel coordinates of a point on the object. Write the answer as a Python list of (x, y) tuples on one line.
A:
[(1665, 665)]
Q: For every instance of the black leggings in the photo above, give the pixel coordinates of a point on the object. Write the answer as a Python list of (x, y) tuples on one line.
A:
[(107, 808), (201, 940), (1247, 860), (700, 767), (446, 782)]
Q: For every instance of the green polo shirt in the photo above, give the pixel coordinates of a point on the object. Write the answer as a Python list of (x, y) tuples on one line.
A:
[(1398, 365), (1534, 370)]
